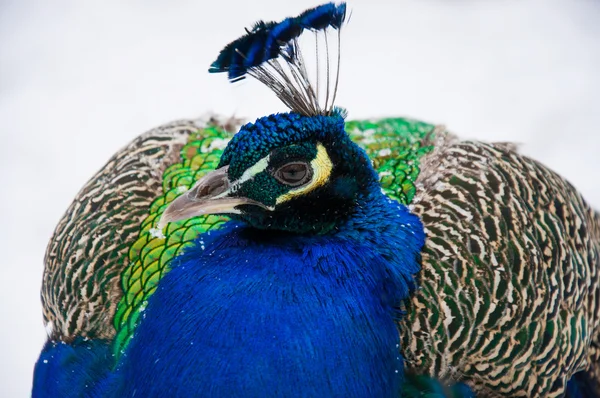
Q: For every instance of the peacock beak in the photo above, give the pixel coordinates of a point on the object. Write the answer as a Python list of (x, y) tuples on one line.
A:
[(210, 195)]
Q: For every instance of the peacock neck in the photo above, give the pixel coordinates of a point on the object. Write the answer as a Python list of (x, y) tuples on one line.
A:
[(393, 232), (247, 312)]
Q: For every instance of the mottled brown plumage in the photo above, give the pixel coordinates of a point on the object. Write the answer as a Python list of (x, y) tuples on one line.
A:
[(509, 286), (88, 250)]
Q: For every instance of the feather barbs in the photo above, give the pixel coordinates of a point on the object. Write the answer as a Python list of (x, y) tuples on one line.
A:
[(271, 52)]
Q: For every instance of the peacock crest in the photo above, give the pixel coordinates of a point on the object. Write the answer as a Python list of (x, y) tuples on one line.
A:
[(272, 53)]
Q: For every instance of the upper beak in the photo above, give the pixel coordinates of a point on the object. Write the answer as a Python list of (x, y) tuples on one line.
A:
[(208, 196)]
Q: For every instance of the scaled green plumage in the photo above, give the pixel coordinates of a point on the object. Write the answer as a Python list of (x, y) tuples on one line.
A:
[(151, 253)]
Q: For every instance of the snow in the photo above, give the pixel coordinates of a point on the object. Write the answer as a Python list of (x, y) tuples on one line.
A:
[(217, 143), (385, 152), (156, 233), (78, 80)]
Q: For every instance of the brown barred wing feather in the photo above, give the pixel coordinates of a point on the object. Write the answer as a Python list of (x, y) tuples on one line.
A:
[(508, 297), (89, 249)]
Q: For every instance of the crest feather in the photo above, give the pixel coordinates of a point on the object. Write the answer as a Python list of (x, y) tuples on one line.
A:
[(271, 53)]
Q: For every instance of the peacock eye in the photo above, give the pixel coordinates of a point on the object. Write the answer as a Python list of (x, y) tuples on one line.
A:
[(294, 174)]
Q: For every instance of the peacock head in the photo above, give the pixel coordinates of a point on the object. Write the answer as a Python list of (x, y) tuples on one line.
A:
[(296, 171), (285, 172)]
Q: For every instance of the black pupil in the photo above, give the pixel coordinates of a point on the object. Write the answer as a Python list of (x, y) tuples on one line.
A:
[(293, 173)]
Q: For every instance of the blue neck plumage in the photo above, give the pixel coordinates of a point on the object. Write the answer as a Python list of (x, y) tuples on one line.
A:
[(255, 313)]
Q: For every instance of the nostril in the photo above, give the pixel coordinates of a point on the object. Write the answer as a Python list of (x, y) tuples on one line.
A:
[(202, 191), (213, 186), (218, 187)]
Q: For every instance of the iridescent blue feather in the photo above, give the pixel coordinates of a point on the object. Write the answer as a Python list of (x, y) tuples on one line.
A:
[(259, 51), (266, 40)]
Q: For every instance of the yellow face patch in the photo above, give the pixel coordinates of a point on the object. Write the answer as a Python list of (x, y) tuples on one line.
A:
[(321, 166)]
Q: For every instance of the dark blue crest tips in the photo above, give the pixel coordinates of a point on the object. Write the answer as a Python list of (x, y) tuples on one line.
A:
[(266, 39), (256, 54), (323, 16), (240, 54)]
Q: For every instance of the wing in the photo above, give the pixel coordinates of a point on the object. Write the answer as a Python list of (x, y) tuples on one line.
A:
[(102, 246), (508, 297)]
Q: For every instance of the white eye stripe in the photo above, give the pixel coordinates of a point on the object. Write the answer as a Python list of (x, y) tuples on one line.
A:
[(248, 174), (257, 168)]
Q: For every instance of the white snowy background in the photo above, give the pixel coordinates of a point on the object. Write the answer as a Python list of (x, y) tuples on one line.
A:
[(79, 79)]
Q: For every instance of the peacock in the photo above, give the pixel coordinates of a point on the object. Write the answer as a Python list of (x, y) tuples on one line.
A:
[(308, 255)]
